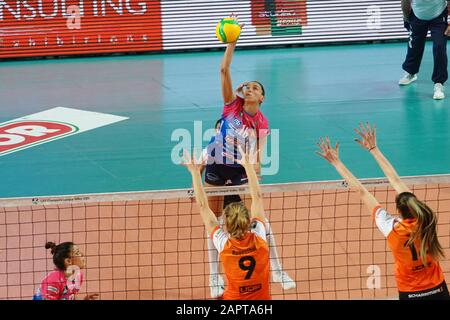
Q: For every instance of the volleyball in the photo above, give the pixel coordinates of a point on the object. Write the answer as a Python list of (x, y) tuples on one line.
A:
[(228, 30)]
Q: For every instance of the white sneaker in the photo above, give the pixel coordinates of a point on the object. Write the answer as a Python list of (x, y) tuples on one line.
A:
[(216, 286), (438, 92), (282, 277), (407, 79)]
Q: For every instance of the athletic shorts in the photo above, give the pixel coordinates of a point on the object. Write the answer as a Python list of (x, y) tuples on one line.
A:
[(223, 175)]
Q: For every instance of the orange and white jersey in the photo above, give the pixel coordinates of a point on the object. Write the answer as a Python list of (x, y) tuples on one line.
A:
[(245, 262), (410, 273)]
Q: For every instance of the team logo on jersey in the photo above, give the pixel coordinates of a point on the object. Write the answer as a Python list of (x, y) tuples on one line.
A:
[(49, 125), (249, 289)]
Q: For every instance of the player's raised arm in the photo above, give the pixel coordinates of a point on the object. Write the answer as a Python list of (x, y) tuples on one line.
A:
[(248, 161), (368, 141), (225, 74), (208, 216)]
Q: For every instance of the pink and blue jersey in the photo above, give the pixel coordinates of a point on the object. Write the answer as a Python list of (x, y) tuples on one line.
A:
[(56, 286), (235, 128)]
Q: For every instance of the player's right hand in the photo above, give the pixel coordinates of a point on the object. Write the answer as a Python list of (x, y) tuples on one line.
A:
[(235, 17)]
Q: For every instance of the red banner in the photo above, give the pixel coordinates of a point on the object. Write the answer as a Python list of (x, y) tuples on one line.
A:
[(60, 27)]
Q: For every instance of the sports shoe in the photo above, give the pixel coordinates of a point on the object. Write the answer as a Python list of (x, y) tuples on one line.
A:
[(282, 277), (216, 286), (438, 92), (407, 79)]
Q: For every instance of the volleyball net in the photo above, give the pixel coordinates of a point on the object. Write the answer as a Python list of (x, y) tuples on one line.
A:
[(152, 245)]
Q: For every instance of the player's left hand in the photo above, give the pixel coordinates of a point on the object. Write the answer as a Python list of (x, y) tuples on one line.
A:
[(241, 87), (447, 32), (93, 296)]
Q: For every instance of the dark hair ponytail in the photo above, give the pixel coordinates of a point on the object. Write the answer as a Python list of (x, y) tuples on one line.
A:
[(60, 252), (50, 245)]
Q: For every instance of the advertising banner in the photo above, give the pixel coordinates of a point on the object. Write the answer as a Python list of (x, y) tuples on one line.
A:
[(67, 27)]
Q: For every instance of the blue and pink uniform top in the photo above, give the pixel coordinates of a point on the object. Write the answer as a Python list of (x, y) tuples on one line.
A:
[(237, 127), (56, 286)]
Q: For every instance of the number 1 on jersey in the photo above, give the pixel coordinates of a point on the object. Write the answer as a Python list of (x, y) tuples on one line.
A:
[(413, 250)]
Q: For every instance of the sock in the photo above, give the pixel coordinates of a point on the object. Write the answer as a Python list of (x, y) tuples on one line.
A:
[(273, 253), (213, 254)]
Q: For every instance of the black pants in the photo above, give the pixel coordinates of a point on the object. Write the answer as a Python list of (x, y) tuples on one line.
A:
[(418, 30), (439, 292)]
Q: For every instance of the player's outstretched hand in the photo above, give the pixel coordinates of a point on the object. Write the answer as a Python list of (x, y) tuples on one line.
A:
[(327, 151), (192, 163), (368, 136)]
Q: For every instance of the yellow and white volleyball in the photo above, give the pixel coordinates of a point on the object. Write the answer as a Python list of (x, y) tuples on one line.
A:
[(228, 30)]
